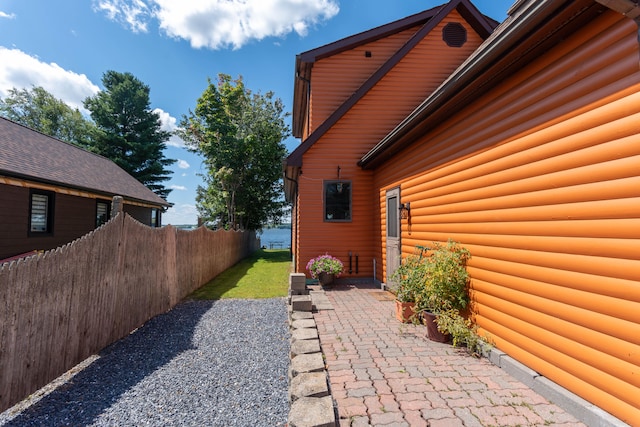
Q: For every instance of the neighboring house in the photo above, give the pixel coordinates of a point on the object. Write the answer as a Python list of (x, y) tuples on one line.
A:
[(529, 155), (52, 192)]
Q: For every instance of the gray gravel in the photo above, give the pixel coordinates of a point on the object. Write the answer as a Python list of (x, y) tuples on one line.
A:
[(204, 363)]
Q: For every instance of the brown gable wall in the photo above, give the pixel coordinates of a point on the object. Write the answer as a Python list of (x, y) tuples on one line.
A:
[(337, 77), (376, 114), (539, 179)]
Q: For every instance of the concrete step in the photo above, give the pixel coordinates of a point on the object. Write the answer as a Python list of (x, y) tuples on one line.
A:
[(312, 412), (301, 303), (297, 281), (303, 323), (304, 347), (313, 384), (305, 363), (304, 334)]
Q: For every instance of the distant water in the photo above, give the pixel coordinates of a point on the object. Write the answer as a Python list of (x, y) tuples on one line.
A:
[(276, 238)]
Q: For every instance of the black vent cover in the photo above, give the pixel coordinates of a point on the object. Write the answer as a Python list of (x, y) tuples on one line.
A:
[(454, 34)]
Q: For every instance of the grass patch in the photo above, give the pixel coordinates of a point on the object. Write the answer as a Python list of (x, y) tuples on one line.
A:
[(265, 274)]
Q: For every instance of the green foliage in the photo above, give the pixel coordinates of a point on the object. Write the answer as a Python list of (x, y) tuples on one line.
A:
[(41, 111), (436, 280), (128, 131), (446, 279), (241, 136), (265, 274), (409, 280), (462, 330)]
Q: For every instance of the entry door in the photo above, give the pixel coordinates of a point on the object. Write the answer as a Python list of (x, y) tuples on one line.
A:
[(393, 232)]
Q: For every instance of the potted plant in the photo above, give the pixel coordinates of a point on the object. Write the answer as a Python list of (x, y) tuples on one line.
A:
[(445, 289), (325, 268), (407, 283)]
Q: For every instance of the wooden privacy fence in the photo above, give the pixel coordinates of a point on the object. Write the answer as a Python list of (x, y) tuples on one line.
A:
[(58, 308)]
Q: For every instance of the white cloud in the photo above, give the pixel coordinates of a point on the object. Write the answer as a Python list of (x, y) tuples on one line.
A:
[(178, 187), (218, 24), (183, 164), (7, 15), (180, 214), (169, 124), (130, 13), (22, 71)]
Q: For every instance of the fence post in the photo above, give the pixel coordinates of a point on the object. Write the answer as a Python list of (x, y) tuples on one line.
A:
[(116, 206)]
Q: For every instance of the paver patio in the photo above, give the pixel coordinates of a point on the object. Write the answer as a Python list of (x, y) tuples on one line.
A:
[(383, 372)]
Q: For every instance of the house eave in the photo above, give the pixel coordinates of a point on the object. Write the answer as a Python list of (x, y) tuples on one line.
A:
[(29, 181), (509, 46)]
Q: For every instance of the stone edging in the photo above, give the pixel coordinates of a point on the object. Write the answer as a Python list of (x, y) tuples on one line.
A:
[(309, 395)]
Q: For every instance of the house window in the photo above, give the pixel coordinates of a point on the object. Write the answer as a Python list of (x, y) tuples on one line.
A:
[(155, 217), (41, 212), (337, 201), (102, 212)]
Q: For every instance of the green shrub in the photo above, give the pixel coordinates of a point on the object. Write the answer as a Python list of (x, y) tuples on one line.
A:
[(409, 280), (446, 277)]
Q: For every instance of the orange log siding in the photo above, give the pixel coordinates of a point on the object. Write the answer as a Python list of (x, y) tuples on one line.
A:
[(540, 180), (377, 113)]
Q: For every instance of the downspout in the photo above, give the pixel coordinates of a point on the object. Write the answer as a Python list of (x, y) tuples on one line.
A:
[(294, 238)]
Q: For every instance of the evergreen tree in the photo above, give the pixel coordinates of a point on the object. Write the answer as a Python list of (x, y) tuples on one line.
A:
[(128, 131)]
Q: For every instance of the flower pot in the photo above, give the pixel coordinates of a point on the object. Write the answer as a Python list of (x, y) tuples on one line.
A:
[(326, 278), (404, 311), (429, 320)]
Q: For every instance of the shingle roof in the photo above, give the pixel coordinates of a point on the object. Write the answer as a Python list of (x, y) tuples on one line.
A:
[(31, 155)]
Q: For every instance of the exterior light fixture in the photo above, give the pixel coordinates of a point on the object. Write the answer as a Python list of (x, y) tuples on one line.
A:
[(405, 210)]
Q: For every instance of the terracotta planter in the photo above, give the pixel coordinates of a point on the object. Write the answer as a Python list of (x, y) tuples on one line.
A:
[(404, 311), (326, 278), (429, 320)]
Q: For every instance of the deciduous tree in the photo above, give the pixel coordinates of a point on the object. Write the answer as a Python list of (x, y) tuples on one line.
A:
[(40, 110), (240, 134)]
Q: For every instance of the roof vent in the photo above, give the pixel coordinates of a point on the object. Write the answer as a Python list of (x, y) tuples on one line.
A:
[(454, 34)]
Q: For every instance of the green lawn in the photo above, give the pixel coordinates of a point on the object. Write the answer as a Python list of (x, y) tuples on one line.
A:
[(265, 274)]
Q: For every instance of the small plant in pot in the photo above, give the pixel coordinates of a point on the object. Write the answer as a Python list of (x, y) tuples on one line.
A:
[(445, 290), (408, 283), (325, 268)]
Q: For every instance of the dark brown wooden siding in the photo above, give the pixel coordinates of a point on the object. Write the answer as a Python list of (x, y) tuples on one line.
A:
[(540, 180), (73, 217), (140, 213), (14, 220)]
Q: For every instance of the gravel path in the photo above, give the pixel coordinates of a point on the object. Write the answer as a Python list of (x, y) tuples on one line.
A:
[(204, 363)]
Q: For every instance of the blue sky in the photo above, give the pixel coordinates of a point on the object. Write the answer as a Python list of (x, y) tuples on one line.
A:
[(173, 46)]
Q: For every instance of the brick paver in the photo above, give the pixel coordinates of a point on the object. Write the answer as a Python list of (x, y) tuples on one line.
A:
[(384, 373)]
